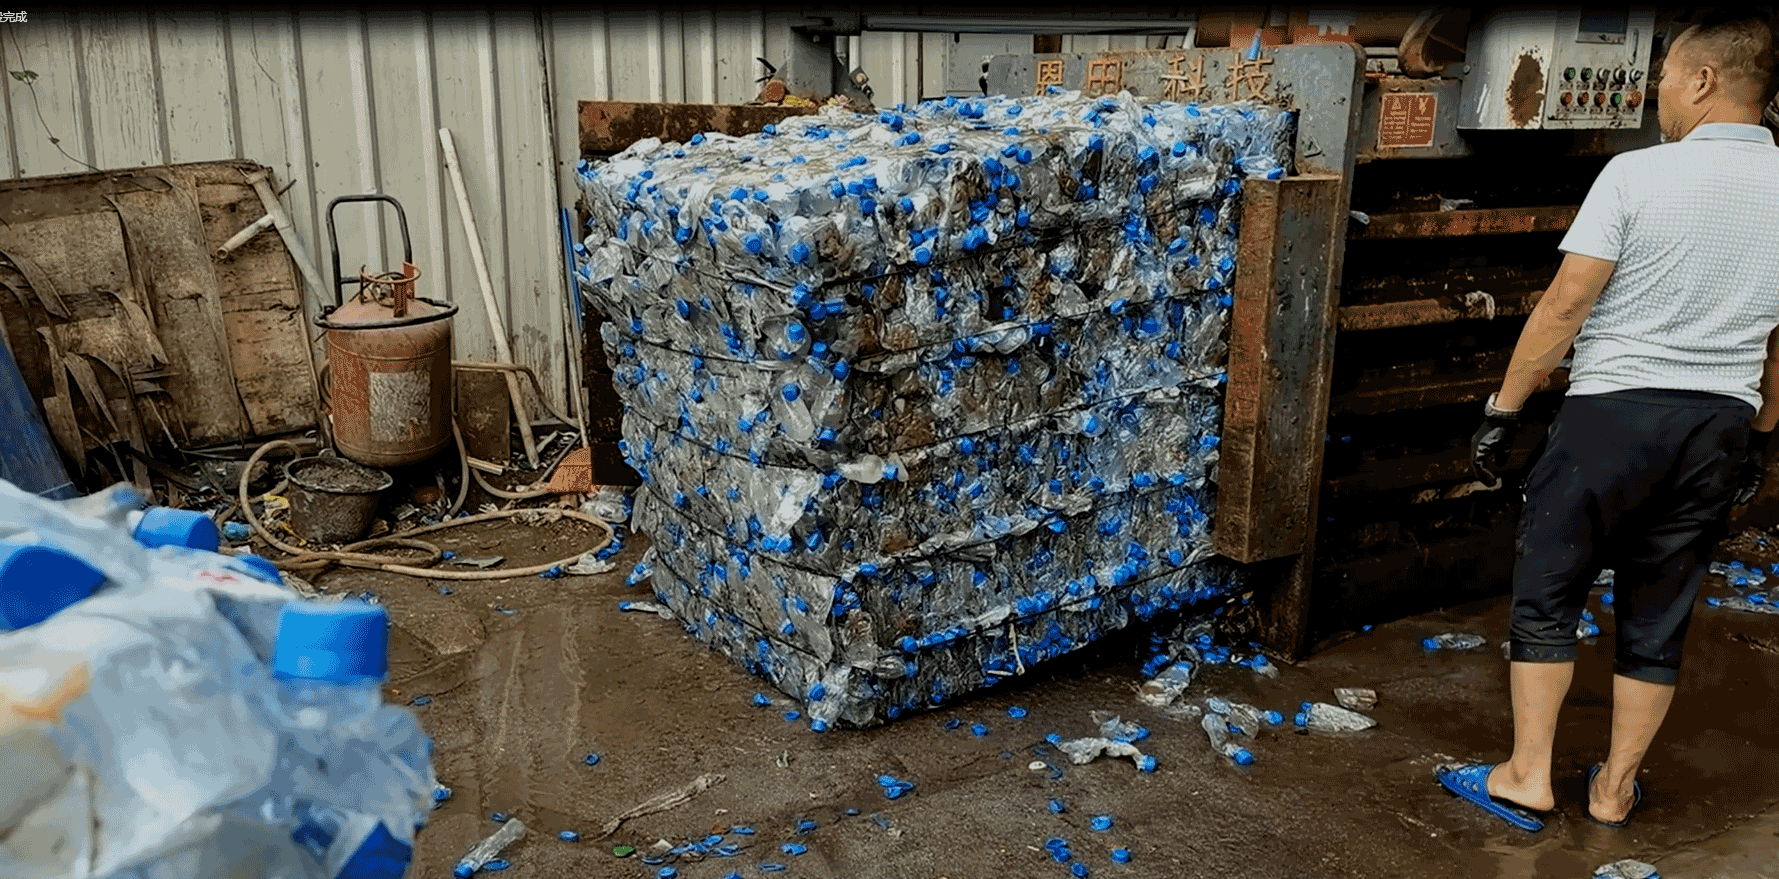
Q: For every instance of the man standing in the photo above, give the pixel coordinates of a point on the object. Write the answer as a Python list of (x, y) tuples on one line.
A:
[(1669, 292)]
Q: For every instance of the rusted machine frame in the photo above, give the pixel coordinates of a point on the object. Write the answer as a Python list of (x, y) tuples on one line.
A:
[(1281, 342), (612, 126)]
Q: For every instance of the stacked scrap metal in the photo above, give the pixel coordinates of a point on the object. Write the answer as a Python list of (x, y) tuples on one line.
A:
[(921, 399)]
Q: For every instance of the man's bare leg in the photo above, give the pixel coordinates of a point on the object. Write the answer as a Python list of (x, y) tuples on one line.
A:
[(1638, 708), (1538, 691)]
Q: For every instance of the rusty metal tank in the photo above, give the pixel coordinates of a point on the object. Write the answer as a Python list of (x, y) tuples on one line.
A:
[(388, 384)]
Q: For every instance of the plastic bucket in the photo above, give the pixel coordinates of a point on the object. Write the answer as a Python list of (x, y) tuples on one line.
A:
[(332, 500)]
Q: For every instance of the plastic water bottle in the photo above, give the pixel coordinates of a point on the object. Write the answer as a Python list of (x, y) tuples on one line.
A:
[(1216, 728), (330, 663), (1326, 717), (1161, 690), (1243, 716), (1453, 641), (1737, 602), (489, 848)]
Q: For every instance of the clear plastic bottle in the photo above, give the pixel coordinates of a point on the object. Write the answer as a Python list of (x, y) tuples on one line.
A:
[(1166, 687), (1247, 718), (329, 665), (488, 849), (1216, 728), (1737, 602), (1326, 717), (1453, 641)]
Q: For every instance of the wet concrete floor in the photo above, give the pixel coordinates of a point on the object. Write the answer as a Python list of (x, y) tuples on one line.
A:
[(520, 698)]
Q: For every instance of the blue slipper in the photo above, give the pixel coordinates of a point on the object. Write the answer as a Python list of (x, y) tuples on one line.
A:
[(1471, 781), (1636, 797)]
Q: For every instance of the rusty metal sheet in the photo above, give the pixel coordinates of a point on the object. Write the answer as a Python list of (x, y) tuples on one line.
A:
[(1452, 224), (1281, 342), (612, 126), (1425, 312)]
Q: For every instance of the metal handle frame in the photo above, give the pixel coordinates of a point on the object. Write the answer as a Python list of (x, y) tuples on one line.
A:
[(333, 238)]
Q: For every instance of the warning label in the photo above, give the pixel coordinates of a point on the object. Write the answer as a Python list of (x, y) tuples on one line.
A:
[(1407, 120)]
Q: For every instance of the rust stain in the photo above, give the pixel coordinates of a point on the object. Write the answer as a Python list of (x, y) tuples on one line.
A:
[(1525, 93)]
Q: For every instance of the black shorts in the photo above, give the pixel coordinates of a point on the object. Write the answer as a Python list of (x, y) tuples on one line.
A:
[(1640, 482)]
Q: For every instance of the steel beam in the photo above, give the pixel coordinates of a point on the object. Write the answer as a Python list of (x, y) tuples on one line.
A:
[(1426, 312), (1454, 224), (1281, 344)]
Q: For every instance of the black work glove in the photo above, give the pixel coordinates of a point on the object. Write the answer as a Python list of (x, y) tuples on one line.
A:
[(1492, 442), (1753, 469)]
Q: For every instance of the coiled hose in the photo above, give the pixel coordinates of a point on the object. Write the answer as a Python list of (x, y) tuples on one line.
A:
[(351, 557)]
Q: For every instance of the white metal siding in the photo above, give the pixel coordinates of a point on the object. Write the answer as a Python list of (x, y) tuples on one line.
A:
[(345, 101), (340, 102)]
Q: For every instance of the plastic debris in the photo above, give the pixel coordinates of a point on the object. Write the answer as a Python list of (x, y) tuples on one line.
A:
[(496, 865), (894, 787), (1216, 728), (977, 729), (499, 817), (1016, 712), (422, 701), (591, 759), (623, 851), (1057, 807), (646, 607), (1165, 688), (804, 826), (484, 852), (589, 564), (1323, 717), (1453, 641), (474, 561), (569, 836), (1120, 856), (1356, 698), (1101, 823), (1082, 751), (793, 849), (1626, 869), (1118, 729)]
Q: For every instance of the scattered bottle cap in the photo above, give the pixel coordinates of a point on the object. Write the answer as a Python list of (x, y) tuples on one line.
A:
[(569, 836), (1101, 823), (591, 759), (1121, 856)]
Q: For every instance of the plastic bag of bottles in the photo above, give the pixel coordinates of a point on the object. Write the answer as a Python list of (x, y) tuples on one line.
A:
[(165, 707), (923, 398)]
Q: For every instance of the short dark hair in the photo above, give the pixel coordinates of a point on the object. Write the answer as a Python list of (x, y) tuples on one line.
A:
[(1740, 41)]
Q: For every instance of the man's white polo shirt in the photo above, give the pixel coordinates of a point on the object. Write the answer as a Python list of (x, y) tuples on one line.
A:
[(1693, 227)]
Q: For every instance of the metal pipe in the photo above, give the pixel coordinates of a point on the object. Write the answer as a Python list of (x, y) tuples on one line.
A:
[(245, 235), (495, 324), (1455, 224), (1024, 23)]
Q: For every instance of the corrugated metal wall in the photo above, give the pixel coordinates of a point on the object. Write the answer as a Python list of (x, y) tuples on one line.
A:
[(346, 102)]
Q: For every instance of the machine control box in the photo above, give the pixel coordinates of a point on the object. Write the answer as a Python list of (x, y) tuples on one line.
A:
[(1565, 68)]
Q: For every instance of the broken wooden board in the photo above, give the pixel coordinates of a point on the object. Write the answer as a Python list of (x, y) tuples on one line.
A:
[(206, 351)]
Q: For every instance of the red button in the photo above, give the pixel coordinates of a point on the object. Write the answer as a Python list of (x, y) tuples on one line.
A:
[(1634, 99)]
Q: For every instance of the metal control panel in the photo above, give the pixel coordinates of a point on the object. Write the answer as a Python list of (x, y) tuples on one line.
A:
[(1566, 68)]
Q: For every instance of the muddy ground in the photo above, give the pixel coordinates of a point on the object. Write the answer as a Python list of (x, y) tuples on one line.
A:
[(520, 698)]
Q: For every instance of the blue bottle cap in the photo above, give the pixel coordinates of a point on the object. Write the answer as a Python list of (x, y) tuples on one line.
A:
[(1121, 856), (164, 526), (260, 567), (1243, 757), (37, 581), (1429, 644), (340, 643)]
